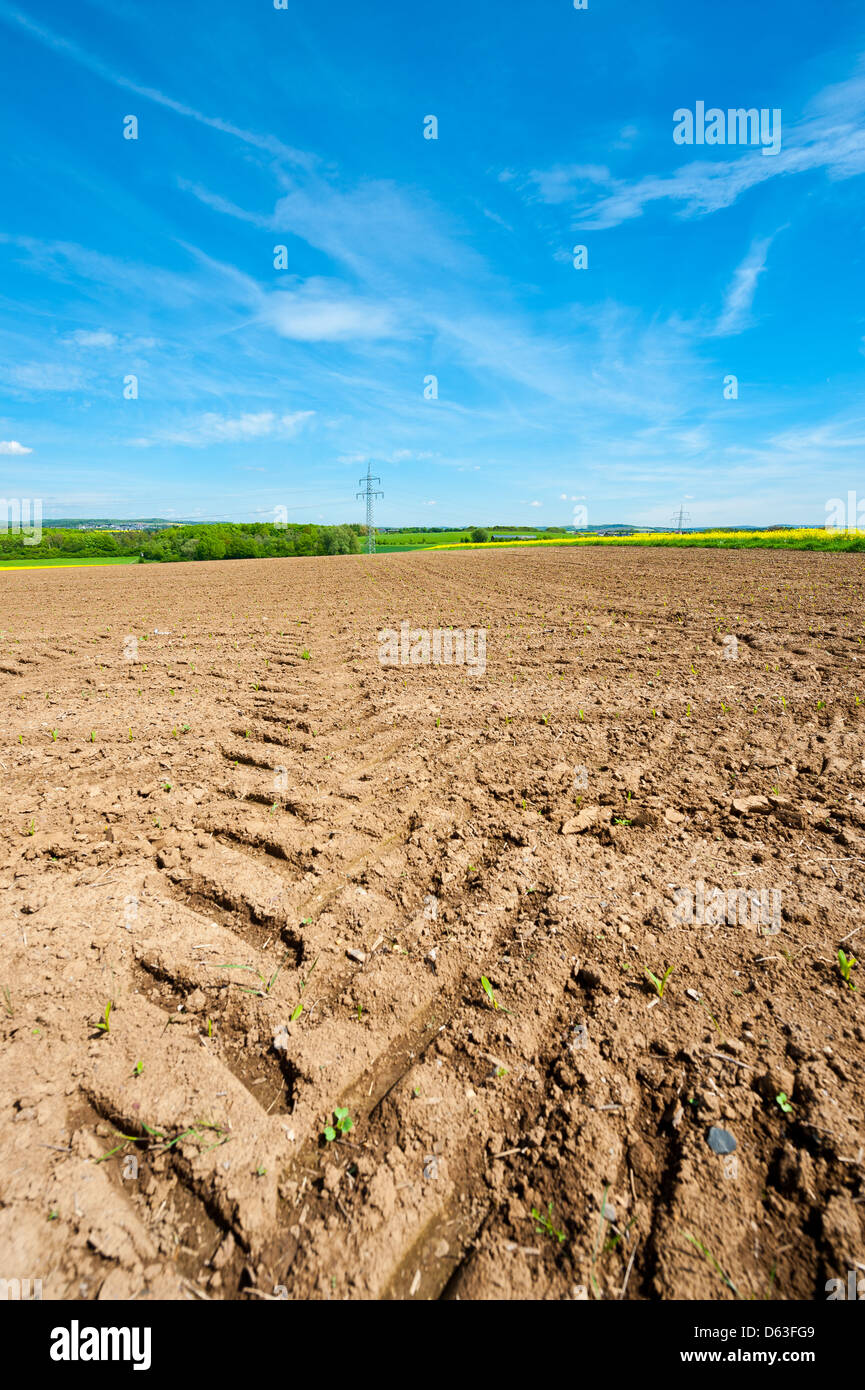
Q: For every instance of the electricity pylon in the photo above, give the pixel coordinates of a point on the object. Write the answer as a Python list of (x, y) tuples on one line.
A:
[(677, 520), (369, 493)]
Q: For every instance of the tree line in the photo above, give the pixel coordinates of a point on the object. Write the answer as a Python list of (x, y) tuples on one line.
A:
[(204, 541)]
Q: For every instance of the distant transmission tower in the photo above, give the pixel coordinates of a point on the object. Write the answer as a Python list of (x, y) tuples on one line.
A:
[(678, 519), (369, 493)]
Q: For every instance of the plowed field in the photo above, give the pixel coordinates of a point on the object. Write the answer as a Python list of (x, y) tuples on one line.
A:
[(288, 869)]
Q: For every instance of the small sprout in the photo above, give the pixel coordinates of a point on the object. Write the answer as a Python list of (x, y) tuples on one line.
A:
[(296, 1013), (343, 1123), (544, 1223), (660, 985), (53, 735), (31, 828), (104, 1024), (845, 965), (488, 991), (784, 1103), (139, 1068), (306, 655), (260, 1171)]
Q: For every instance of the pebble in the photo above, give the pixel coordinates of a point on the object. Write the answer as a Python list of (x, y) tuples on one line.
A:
[(721, 1141), (750, 805), (359, 956)]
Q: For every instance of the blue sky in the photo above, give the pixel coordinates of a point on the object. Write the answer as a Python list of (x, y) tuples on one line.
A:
[(410, 257)]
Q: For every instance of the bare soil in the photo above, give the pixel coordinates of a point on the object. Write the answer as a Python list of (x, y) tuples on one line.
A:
[(208, 830)]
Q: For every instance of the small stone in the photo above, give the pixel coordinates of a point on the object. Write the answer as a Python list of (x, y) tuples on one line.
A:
[(280, 1039), (586, 818), (721, 1141), (609, 1212), (692, 994), (359, 956), (751, 805)]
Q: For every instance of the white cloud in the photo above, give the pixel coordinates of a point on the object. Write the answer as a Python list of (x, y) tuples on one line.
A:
[(830, 137), (46, 376), (11, 446), (83, 338), (536, 504), (740, 293), (320, 312), (211, 428)]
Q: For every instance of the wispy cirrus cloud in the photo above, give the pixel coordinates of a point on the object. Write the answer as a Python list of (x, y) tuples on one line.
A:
[(831, 137), (269, 144), (211, 428), (82, 337), (324, 311), (736, 314)]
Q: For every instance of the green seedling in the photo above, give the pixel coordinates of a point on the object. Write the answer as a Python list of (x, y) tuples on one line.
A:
[(544, 1223), (306, 655), (488, 991), (845, 965), (343, 1123), (31, 828), (660, 985), (784, 1103), (266, 984), (104, 1024), (139, 1068), (296, 1013), (53, 735), (92, 735), (710, 1259)]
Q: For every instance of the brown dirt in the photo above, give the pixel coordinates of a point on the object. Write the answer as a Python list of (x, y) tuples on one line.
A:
[(240, 806)]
